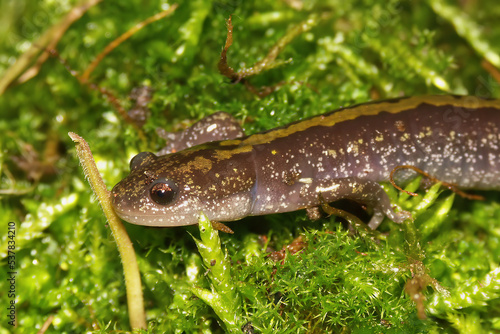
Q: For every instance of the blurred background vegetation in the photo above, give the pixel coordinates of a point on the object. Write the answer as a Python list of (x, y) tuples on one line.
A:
[(69, 273)]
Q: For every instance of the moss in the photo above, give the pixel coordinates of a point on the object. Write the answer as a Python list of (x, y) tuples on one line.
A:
[(67, 263)]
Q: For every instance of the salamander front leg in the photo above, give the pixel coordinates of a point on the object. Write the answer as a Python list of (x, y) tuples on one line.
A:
[(218, 126), (366, 192)]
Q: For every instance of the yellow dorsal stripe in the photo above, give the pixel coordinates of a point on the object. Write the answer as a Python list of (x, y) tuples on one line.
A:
[(370, 109)]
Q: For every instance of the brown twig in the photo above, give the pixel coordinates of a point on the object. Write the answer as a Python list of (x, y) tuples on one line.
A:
[(224, 68), (46, 324), (495, 73), (267, 63)]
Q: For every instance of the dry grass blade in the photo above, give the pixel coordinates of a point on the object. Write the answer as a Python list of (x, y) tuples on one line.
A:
[(48, 40), (129, 261), (115, 43)]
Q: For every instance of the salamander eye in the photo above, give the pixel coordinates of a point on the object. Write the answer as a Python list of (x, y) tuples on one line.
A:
[(164, 192)]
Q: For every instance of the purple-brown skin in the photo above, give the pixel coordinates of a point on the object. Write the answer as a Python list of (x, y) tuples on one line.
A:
[(341, 154)]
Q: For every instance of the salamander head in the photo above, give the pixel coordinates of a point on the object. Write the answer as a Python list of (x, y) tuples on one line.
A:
[(172, 190), (149, 196)]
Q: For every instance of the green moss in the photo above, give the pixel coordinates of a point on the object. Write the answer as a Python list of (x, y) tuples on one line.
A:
[(67, 263)]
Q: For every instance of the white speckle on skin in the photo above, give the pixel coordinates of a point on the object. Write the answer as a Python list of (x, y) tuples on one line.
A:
[(327, 189)]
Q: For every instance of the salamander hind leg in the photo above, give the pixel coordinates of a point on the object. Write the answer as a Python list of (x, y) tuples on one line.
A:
[(365, 192)]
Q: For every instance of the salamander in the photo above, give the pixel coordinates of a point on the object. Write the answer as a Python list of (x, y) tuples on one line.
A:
[(343, 154)]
